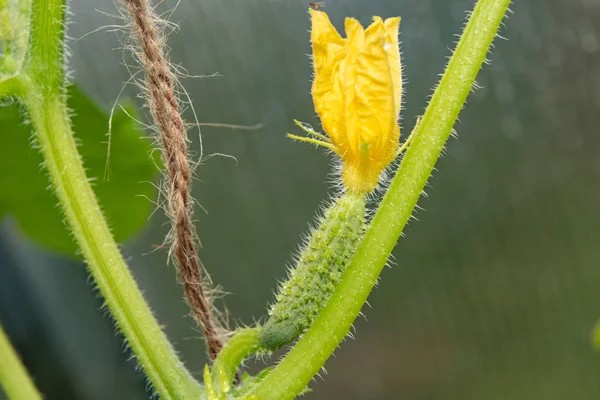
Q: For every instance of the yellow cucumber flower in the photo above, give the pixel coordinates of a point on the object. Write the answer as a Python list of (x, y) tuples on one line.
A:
[(357, 92)]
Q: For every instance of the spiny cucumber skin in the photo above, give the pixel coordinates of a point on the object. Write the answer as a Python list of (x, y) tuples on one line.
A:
[(317, 272)]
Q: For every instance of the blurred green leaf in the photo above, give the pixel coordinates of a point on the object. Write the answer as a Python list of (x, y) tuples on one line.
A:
[(125, 193)]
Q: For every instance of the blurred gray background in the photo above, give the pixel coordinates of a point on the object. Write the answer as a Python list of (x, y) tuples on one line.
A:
[(493, 293)]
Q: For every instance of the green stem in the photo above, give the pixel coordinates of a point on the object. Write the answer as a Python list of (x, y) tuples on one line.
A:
[(46, 106), (299, 366), (14, 378), (242, 344)]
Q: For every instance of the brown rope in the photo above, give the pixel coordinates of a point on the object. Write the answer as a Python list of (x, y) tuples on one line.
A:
[(165, 111)]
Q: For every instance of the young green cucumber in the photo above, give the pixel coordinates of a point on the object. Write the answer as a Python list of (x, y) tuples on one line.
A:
[(318, 270)]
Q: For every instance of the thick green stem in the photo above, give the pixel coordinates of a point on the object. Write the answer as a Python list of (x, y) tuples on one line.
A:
[(45, 102), (309, 355), (14, 379)]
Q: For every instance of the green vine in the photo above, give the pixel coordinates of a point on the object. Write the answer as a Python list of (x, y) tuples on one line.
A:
[(40, 86), (14, 378), (309, 355)]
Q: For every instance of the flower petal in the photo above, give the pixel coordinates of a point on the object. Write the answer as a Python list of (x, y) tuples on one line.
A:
[(369, 104), (392, 49), (348, 77), (328, 53)]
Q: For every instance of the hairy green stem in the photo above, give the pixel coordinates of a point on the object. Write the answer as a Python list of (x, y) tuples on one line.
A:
[(242, 344), (309, 355), (14, 379), (45, 101)]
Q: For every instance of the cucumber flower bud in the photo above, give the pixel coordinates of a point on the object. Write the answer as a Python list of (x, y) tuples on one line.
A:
[(357, 92)]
